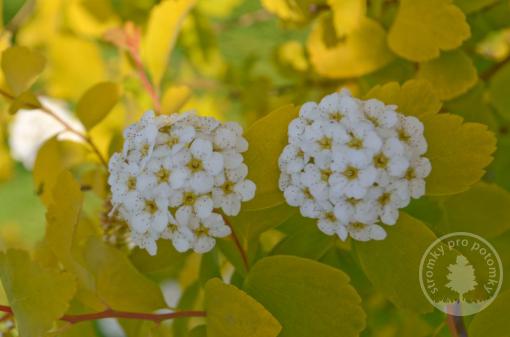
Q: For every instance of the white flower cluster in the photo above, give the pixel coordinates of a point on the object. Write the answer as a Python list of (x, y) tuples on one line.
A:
[(352, 164), (172, 175)]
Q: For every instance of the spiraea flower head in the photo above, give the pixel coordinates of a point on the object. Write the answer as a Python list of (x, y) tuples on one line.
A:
[(352, 164), (176, 176)]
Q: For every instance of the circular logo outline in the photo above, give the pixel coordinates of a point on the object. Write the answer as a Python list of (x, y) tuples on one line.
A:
[(440, 240)]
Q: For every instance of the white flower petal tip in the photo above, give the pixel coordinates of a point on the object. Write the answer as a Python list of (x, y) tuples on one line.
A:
[(174, 176), (352, 164)]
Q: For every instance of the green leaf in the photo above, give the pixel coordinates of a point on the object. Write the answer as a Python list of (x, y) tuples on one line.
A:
[(358, 53), (52, 158), (163, 26), (118, 283), (413, 98), (199, 331), (307, 298), (38, 296), (401, 285), (263, 153), (347, 14), (498, 89), (493, 321), (232, 313), (473, 106), (451, 75), (209, 267), (306, 240), (21, 67), (186, 302), (423, 28), (471, 6), (459, 153), (96, 103), (482, 210)]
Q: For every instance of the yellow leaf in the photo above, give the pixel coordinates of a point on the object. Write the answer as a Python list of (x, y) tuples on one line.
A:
[(52, 158), (451, 75), (263, 153), (347, 14), (96, 103), (91, 17), (290, 10), (413, 98), (174, 99), (67, 76), (423, 28), (232, 313), (163, 26), (37, 296), (26, 100), (292, 53), (459, 153), (119, 284), (21, 67), (360, 52)]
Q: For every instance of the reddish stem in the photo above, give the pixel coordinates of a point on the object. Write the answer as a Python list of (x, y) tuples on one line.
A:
[(238, 245), (109, 313)]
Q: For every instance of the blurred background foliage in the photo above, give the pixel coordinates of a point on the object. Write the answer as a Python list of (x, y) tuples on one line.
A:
[(238, 60)]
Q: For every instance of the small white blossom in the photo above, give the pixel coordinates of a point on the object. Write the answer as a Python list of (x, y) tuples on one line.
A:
[(352, 164), (173, 174)]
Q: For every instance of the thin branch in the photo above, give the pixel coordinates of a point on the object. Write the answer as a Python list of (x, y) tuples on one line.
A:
[(456, 326), (486, 75), (109, 313), (66, 125), (238, 245)]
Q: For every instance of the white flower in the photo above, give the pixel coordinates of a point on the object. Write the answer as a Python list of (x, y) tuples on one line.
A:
[(172, 175), (353, 164), (205, 230), (29, 129)]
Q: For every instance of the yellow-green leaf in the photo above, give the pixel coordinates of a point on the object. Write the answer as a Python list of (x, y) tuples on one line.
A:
[(423, 28), (307, 298), (25, 100), (232, 313), (53, 157), (498, 88), (347, 14), (401, 285), (118, 283), (482, 210), (298, 11), (413, 98), (163, 27), (96, 103), (21, 67), (65, 232), (471, 6), (451, 75), (358, 53), (263, 153), (174, 99), (37, 296), (459, 153), (492, 321)]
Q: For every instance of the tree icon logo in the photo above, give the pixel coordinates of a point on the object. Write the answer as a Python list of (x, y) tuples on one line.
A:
[(462, 277), (461, 273)]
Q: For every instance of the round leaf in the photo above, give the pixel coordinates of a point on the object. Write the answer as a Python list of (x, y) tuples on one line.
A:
[(498, 87), (358, 53), (401, 285), (492, 321), (413, 98), (424, 27), (308, 298), (451, 75), (459, 153), (96, 103), (232, 313), (267, 138), (21, 67)]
